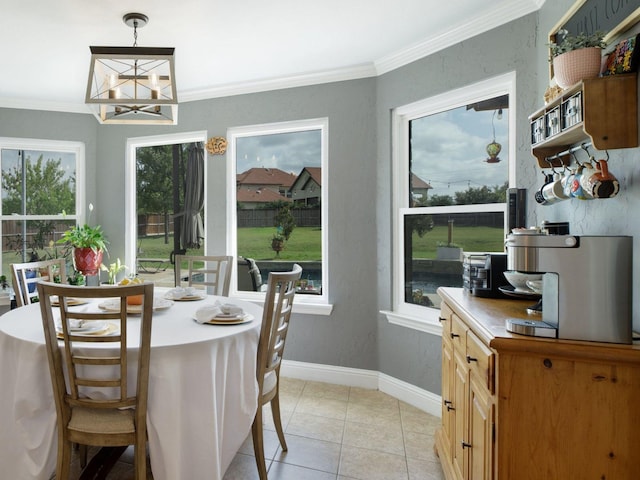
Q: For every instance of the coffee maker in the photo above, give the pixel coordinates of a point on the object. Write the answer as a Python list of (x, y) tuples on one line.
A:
[(586, 290)]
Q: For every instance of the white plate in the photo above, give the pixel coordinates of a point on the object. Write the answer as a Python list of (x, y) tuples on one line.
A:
[(228, 319), (88, 326), (186, 298), (114, 305), (107, 329)]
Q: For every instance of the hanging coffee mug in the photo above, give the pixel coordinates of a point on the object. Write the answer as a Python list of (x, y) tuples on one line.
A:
[(546, 196), (602, 184), (553, 192), (576, 186)]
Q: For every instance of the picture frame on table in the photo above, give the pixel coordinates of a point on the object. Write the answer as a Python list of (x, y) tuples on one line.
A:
[(623, 58)]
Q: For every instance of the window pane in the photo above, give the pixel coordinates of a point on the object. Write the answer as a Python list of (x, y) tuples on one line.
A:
[(434, 246), (32, 240), (38, 182), (453, 159), (279, 197)]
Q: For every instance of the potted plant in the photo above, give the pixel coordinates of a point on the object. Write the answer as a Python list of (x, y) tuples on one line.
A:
[(112, 270), (88, 244), (576, 57)]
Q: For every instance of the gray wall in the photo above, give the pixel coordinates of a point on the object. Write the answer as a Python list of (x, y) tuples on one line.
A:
[(359, 112), (404, 353)]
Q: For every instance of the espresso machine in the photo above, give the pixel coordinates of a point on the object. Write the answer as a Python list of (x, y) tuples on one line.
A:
[(586, 290)]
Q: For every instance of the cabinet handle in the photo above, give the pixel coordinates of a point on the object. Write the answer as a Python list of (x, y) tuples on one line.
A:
[(471, 359), (448, 402), (454, 335), (450, 408), (442, 319), (449, 405), (465, 444)]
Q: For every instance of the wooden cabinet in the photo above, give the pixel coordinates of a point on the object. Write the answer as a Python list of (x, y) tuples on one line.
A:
[(517, 407), (601, 110), (467, 407)]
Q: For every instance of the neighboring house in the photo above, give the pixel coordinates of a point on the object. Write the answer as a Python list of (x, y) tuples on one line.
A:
[(252, 198), (273, 179), (419, 189), (307, 187)]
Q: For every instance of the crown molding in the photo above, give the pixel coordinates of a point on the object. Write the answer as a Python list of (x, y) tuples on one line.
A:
[(492, 18), (26, 104), (292, 81)]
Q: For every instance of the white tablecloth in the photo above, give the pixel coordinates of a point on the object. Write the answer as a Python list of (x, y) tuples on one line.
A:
[(202, 393)]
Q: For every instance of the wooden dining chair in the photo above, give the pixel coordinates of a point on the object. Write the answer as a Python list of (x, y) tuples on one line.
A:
[(115, 416), (208, 271), (281, 288), (26, 275)]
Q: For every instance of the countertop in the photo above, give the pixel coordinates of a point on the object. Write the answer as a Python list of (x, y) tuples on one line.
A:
[(486, 317)]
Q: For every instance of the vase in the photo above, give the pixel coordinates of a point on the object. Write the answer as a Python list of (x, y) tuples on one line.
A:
[(571, 67), (87, 261)]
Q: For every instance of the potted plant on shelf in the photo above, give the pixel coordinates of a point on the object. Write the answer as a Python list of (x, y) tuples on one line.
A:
[(88, 244), (576, 57)]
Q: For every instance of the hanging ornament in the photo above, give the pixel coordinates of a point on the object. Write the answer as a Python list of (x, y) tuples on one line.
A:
[(494, 148)]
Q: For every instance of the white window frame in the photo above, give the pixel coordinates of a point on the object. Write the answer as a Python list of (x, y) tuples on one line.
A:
[(131, 227), (312, 304), (77, 148), (404, 313)]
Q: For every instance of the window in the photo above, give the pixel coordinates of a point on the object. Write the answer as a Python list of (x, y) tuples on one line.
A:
[(155, 184), (277, 215), (452, 165), (42, 195)]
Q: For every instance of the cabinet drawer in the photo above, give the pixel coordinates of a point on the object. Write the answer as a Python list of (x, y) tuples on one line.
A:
[(481, 360), (458, 334)]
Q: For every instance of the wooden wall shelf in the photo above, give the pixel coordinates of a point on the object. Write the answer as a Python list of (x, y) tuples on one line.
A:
[(602, 110)]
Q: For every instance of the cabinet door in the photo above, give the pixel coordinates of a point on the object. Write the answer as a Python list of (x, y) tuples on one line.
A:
[(480, 429), (448, 408), (460, 389)]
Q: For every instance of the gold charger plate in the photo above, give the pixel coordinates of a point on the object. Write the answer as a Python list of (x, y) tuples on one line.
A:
[(186, 298), (108, 329), (70, 301), (246, 317)]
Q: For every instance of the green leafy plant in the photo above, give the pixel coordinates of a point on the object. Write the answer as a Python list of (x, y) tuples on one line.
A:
[(576, 42), (113, 269), (85, 236)]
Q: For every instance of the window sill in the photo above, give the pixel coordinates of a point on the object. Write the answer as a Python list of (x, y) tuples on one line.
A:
[(300, 305), (415, 323)]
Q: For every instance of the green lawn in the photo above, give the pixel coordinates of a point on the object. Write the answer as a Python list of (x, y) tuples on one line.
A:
[(304, 244), (470, 239)]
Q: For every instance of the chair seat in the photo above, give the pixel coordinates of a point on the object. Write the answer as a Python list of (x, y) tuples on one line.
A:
[(270, 382), (101, 421)]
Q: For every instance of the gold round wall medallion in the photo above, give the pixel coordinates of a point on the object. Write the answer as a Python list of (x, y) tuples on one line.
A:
[(217, 145)]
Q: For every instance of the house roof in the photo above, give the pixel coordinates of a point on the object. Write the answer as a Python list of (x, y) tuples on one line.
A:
[(417, 182), (265, 176), (259, 195)]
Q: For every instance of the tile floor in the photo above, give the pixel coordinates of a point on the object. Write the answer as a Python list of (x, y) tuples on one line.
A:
[(337, 433)]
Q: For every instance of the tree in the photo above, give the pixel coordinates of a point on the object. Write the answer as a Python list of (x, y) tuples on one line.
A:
[(440, 201), (484, 194), (154, 180), (49, 190), (284, 221)]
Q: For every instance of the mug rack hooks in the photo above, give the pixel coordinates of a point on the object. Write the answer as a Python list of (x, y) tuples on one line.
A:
[(570, 151)]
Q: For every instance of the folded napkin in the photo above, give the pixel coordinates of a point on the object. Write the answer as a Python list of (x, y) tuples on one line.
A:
[(180, 292), (218, 312)]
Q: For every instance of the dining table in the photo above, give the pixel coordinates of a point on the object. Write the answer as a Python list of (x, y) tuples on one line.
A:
[(202, 389)]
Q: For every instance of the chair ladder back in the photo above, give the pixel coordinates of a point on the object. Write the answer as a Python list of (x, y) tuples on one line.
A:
[(83, 368), (215, 271), (43, 271), (275, 323)]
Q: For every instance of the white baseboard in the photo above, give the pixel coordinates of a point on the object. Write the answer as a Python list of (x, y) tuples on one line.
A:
[(355, 377)]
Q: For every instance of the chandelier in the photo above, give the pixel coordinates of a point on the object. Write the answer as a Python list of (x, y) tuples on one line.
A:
[(133, 85)]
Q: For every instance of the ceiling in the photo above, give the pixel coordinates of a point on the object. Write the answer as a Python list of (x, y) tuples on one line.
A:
[(230, 47)]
